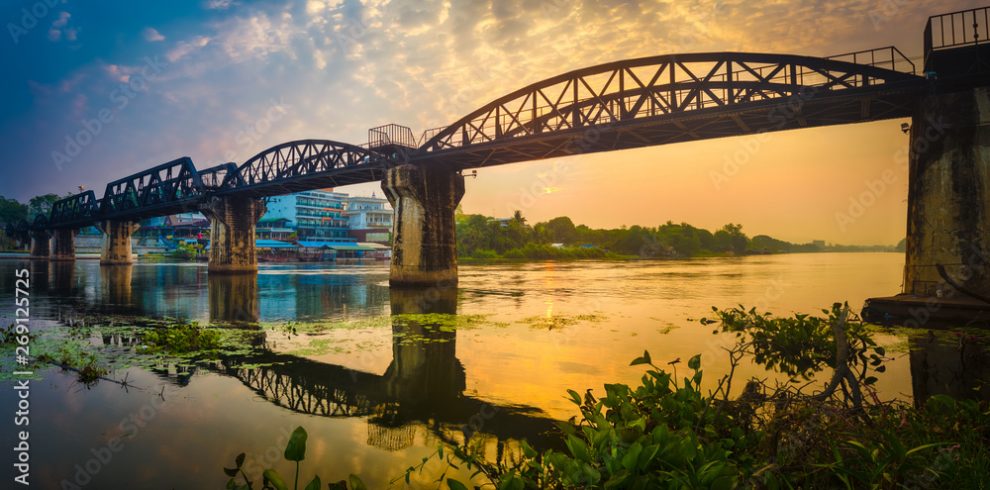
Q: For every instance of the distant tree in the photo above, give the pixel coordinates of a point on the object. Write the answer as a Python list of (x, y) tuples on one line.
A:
[(11, 211), (41, 205), (561, 230), (731, 239), (516, 233), (767, 244)]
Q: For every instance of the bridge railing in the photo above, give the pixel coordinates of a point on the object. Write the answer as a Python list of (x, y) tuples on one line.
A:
[(957, 29), (888, 57), (390, 134)]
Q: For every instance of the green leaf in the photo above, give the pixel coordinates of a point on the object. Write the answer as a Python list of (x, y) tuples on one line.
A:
[(511, 482), (337, 485), (231, 472), (695, 362), (356, 483), (295, 450), (239, 461), (575, 397), (271, 476), (645, 359), (453, 484), (315, 484), (870, 380), (632, 457), (923, 447), (577, 448)]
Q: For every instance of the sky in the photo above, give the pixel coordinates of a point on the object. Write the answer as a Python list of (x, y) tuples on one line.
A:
[(95, 91)]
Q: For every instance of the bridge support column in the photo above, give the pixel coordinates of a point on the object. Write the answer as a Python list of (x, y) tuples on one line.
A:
[(41, 245), (424, 246), (232, 233), (947, 266), (64, 247), (117, 246)]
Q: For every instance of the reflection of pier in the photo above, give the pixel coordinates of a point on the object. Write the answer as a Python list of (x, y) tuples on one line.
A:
[(234, 298), (959, 367), (424, 383)]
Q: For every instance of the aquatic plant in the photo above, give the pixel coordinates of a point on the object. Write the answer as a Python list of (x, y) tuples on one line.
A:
[(295, 451), (181, 338)]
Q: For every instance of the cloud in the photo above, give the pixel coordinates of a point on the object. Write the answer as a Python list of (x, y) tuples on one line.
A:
[(256, 37), (219, 4), (185, 48), (319, 60), (58, 26), (152, 35)]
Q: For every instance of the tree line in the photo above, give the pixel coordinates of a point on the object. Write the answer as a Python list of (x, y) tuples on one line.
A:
[(14, 212), (480, 236)]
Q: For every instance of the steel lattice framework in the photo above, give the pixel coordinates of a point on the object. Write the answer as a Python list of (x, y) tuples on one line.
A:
[(304, 165), (624, 104), (82, 207), (673, 98)]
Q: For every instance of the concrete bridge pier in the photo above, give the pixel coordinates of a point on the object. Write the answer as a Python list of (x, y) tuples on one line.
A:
[(424, 246), (232, 233), (117, 246), (64, 244), (41, 245), (947, 266)]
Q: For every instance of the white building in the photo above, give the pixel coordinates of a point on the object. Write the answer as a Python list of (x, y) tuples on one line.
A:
[(369, 218)]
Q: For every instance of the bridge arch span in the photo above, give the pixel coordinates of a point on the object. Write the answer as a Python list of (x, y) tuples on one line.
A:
[(302, 165), (671, 98)]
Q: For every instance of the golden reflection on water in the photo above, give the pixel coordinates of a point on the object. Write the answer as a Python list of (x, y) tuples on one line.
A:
[(379, 377)]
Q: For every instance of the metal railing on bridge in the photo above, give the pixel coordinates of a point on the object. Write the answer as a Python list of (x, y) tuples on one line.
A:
[(956, 29)]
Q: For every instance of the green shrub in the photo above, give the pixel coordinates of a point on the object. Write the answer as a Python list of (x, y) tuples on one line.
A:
[(181, 338)]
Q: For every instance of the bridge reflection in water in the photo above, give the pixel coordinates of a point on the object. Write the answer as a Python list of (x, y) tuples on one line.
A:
[(424, 384)]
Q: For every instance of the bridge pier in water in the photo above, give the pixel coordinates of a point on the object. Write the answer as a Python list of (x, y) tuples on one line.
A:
[(232, 232), (947, 262), (424, 245), (64, 244), (949, 196), (117, 246), (41, 245)]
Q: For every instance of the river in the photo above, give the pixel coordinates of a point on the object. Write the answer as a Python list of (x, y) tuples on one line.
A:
[(376, 393)]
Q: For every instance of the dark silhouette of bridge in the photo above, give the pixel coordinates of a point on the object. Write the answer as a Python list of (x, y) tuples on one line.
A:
[(632, 103), (624, 104)]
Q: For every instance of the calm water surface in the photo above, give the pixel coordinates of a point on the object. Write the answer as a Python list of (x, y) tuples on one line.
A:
[(380, 394)]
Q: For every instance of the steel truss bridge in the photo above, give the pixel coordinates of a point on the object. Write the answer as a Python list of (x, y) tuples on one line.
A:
[(625, 104)]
